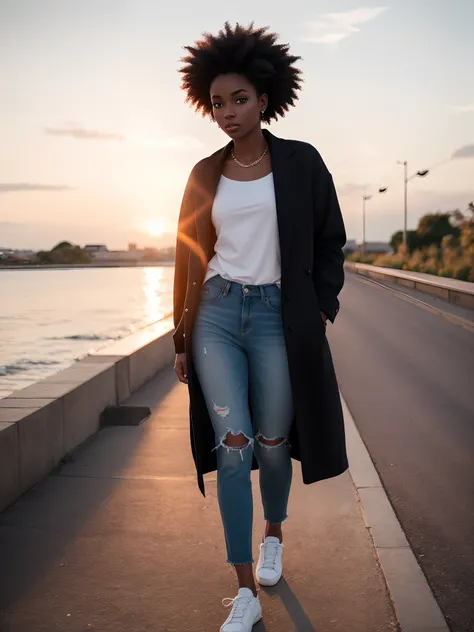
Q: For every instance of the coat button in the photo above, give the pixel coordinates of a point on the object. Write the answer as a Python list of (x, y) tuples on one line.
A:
[(309, 272), (194, 282), (186, 310)]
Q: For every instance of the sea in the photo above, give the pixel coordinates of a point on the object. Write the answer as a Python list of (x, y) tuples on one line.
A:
[(49, 318)]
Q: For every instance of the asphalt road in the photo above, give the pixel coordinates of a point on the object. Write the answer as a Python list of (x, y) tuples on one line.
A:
[(407, 376)]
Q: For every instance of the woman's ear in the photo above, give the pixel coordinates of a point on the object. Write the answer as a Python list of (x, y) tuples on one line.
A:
[(263, 103)]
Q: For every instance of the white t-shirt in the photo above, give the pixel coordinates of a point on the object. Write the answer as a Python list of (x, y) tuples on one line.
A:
[(247, 247)]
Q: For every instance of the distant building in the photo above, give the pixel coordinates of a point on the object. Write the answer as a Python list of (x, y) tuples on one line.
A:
[(93, 248), (9, 255), (350, 247), (123, 255), (377, 248), (101, 253)]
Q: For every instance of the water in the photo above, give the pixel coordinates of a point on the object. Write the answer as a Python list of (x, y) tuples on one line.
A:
[(50, 318)]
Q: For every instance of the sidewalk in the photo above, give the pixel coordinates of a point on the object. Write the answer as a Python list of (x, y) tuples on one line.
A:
[(121, 540)]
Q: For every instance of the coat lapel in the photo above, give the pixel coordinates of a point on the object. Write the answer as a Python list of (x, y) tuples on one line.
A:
[(208, 179), (281, 151)]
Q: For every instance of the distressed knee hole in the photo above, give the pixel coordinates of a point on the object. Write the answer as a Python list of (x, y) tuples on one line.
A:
[(271, 443), (235, 442), (221, 411)]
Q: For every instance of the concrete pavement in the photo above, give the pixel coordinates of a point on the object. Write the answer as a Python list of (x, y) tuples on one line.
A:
[(120, 539)]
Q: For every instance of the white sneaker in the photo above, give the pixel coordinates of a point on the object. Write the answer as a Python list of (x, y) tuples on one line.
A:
[(246, 611), (269, 567)]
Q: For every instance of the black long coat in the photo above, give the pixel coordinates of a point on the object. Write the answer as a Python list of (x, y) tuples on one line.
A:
[(312, 235)]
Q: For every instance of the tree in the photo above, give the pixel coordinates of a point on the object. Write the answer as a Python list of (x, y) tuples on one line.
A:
[(442, 244), (413, 240), (432, 227), (64, 253), (62, 244), (467, 233), (457, 217), (44, 256)]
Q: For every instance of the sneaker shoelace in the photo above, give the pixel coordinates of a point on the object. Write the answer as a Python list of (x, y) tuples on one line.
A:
[(270, 551), (239, 606)]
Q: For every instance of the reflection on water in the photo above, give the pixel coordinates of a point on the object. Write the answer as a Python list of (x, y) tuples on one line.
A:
[(153, 288), (50, 317)]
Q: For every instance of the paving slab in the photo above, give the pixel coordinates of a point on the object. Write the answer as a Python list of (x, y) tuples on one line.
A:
[(8, 402), (120, 539)]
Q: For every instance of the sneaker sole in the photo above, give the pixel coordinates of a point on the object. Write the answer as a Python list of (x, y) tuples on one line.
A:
[(259, 618), (268, 582)]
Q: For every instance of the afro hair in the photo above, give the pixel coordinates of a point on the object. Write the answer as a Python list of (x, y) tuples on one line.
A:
[(251, 52)]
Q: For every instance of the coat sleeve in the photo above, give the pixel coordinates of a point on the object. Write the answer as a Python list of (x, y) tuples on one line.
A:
[(185, 238), (328, 257)]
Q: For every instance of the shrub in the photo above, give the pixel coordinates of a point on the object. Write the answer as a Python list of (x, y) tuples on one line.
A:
[(463, 273), (357, 257), (389, 261)]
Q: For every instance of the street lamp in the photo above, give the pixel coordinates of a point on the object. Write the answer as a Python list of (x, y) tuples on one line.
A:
[(422, 173), (365, 198)]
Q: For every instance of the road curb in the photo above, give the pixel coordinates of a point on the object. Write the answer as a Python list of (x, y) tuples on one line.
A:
[(415, 605)]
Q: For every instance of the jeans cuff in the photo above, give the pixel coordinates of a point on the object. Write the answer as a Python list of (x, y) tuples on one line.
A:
[(276, 521)]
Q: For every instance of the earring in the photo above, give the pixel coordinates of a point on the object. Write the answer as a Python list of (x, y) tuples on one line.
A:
[(262, 113)]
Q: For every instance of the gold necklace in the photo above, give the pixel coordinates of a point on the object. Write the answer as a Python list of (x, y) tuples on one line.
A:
[(252, 164)]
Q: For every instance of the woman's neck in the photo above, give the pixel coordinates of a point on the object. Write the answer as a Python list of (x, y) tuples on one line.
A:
[(251, 147)]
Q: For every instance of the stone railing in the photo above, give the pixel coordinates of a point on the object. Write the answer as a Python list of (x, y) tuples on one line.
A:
[(456, 292), (42, 423)]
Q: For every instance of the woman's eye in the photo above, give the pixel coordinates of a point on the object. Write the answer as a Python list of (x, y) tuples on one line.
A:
[(242, 100), (216, 105)]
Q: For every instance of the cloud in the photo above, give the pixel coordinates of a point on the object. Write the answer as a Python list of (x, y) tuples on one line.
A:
[(463, 109), (463, 152), (173, 143), (80, 133), (351, 188), (334, 27), (9, 187)]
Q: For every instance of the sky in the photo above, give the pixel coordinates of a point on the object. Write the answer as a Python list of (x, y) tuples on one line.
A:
[(96, 141)]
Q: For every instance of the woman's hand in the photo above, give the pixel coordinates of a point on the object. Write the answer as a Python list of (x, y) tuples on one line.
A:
[(181, 367), (325, 318)]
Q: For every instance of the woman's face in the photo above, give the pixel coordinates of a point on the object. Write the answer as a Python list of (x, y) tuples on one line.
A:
[(237, 108)]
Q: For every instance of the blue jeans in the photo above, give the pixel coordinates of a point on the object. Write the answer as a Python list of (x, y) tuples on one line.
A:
[(240, 359)]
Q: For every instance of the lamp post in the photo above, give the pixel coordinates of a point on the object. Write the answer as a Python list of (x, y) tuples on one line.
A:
[(422, 173), (365, 199)]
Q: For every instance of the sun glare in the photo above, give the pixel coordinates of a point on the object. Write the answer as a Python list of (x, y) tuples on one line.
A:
[(155, 228)]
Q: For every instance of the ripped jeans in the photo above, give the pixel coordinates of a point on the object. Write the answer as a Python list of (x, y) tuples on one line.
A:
[(240, 359)]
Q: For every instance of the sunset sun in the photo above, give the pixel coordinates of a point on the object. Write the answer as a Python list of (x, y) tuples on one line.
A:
[(155, 228)]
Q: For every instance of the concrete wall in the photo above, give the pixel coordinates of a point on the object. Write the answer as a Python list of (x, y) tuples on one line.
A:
[(452, 290), (41, 423)]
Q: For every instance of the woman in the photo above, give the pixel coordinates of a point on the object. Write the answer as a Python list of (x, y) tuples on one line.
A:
[(259, 266)]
